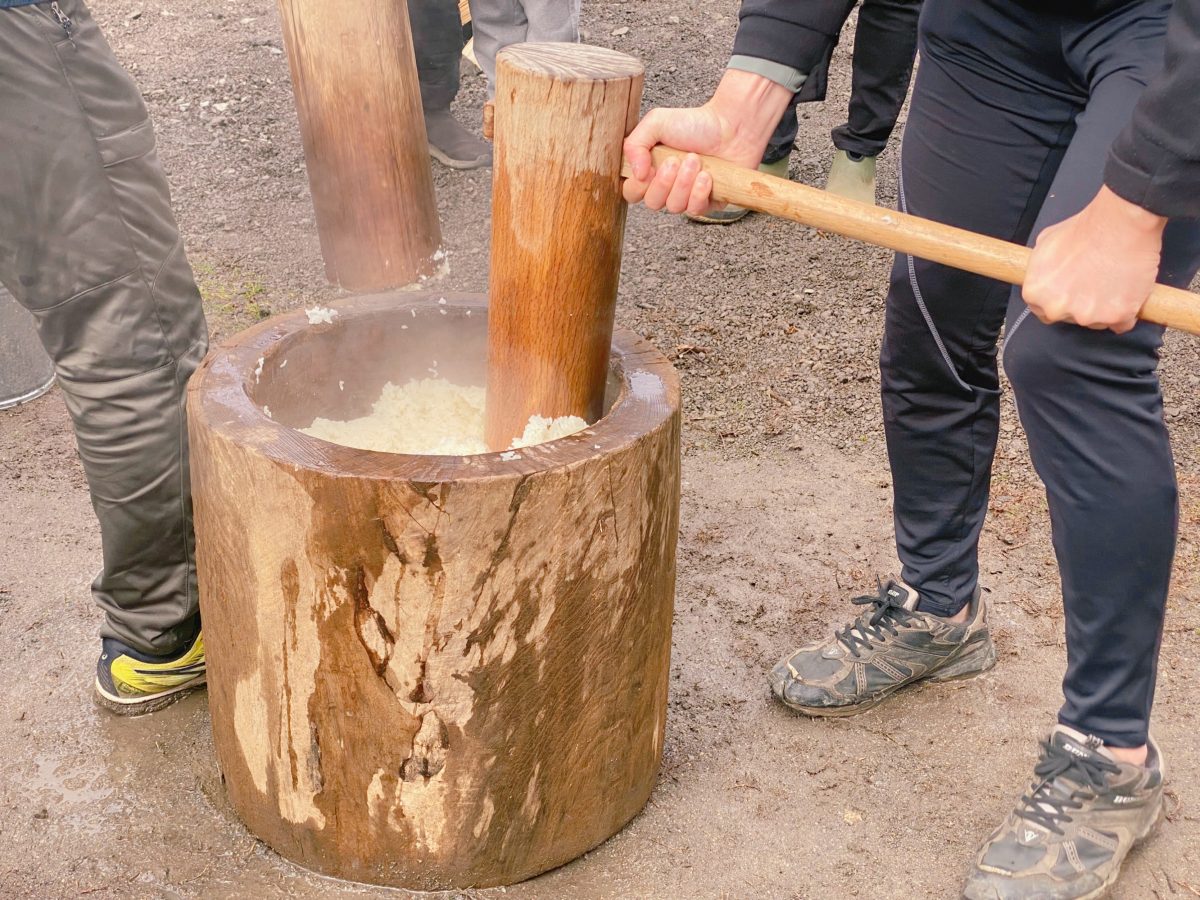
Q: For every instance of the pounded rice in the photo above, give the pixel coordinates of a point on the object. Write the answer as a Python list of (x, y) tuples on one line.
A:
[(431, 416)]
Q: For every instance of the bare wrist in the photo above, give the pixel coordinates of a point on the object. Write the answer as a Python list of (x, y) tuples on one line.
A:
[(1115, 209), (750, 106)]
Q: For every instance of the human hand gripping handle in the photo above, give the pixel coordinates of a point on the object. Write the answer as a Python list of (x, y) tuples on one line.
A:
[(1097, 268), (734, 125)]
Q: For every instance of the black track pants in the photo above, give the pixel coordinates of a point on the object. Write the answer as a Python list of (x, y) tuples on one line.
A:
[(885, 42), (1012, 116), (438, 43)]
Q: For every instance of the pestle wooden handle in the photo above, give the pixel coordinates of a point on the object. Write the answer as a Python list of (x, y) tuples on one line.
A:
[(899, 231)]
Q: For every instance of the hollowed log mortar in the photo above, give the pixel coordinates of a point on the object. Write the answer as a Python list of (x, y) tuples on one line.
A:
[(426, 671)]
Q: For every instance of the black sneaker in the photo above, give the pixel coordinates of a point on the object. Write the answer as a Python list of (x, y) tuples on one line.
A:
[(451, 144), (1068, 836), (132, 683), (889, 646)]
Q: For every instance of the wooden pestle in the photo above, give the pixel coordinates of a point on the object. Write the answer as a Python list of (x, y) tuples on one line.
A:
[(558, 219), (904, 233)]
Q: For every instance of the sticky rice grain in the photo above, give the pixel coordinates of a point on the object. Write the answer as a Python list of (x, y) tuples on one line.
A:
[(431, 416)]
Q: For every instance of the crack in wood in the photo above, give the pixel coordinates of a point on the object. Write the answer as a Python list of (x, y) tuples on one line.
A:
[(520, 493), (367, 617), (435, 573), (612, 502), (420, 693), (364, 613), (389, 540), (429, 748), (316, 776), (290, 583)]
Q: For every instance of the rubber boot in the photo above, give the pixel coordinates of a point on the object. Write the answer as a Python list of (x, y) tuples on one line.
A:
[(852, 178)]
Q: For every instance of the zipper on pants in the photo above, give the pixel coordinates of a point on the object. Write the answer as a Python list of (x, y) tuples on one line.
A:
[(63, 20)]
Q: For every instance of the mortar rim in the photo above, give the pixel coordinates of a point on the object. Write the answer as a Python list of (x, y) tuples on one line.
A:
[(218, 392)]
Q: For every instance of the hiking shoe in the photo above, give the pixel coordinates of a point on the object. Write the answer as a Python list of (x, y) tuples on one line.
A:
[(1068, 836), (853, 177), (732, 212), (451, 144), (132, 683), (890, 645)]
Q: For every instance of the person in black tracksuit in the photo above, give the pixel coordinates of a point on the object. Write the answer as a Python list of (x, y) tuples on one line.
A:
[(1074, 125)]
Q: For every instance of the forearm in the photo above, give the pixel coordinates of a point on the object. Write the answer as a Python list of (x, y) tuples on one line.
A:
[(793, 34), (751, 105), (1155, 162)]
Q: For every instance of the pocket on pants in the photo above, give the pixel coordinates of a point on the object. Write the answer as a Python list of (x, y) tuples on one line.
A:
[(105, 333), (62, 99), (85, 222)]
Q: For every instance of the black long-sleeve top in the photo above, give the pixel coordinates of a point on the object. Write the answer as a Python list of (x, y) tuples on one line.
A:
[(1155, 162)]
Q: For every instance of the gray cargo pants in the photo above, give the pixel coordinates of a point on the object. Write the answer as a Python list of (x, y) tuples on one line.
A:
[(497, 23), (88, 243)]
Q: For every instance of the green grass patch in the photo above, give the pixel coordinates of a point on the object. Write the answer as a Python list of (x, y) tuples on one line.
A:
[(234, 295)]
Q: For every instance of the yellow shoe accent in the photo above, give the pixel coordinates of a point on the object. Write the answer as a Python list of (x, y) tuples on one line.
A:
[(468, 53), (130, 685)]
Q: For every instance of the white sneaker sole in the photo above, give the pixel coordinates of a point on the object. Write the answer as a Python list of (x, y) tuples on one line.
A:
[(478, 162), (125, 706)]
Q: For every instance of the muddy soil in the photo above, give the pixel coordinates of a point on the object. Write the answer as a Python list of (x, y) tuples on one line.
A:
[(786, 514)]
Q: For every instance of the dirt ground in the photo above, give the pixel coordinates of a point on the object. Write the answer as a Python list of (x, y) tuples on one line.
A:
[(786, 513)]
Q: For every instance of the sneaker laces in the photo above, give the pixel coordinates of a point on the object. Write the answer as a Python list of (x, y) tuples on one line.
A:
[(875, 625), (1048, 803)]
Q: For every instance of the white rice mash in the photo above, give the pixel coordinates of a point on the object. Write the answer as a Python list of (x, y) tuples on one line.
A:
[(431, 416)]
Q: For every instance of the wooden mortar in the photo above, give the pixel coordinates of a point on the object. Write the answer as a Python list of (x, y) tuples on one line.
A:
[(430, 672)]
